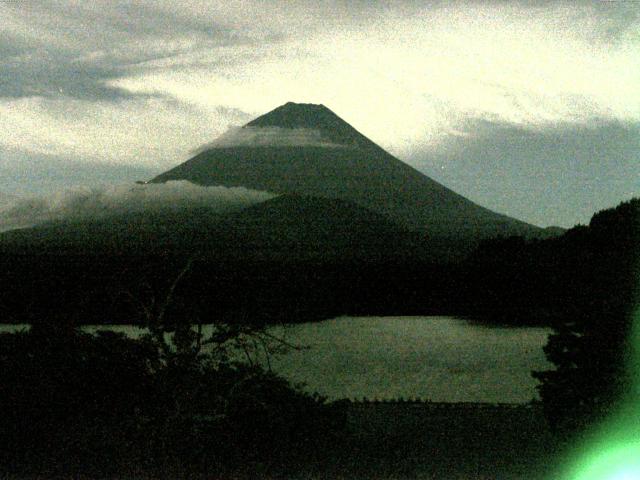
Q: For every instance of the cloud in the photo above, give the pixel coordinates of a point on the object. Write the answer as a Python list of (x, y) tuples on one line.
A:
[(26, 173), (433, 65), (92, 203), (433, 68), (71, 49), (268, 137), (147, 132)]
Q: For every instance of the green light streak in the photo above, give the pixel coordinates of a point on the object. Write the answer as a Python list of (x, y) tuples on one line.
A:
[(618, 462), (613, 448)]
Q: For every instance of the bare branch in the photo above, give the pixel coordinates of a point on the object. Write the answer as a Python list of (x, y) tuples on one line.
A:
[(282, 341), (169, 297)]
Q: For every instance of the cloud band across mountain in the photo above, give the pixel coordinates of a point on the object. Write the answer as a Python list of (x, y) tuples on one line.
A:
[(96, 203), (269, 137)]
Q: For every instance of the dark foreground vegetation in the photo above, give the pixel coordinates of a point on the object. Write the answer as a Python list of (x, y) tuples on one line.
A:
[(109, 406), (582, 272), (585, 284), (593, 345), (75, 404), (86, 406)]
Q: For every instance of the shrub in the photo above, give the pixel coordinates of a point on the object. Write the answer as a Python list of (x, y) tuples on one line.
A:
[(75, 403)]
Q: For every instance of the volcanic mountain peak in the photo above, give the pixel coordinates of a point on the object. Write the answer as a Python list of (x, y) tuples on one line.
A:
[(312, 117), (306, 149)]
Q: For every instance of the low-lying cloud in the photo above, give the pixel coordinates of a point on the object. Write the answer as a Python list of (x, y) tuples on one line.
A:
[(269, 137), (92, 203)]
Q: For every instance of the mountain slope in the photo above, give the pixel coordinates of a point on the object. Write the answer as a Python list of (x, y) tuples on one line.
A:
[(349, 167), (286, 227), (321, 228)]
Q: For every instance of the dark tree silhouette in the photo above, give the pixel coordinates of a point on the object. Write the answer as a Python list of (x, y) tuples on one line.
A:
[(68, 398), (591, 342), (175, 399)]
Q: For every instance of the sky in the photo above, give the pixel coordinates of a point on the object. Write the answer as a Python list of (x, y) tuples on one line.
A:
[(528, 108)]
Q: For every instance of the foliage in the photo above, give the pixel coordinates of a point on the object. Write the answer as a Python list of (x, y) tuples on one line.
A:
[(69, 397), (583, 284), (103, 404), (591, 342)]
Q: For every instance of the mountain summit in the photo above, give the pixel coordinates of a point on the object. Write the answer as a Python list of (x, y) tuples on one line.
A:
[(306, 149), (314, 117)]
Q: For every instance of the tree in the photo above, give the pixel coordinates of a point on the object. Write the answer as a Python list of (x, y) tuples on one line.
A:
[(178, 397), (72, 400), (591, 343)]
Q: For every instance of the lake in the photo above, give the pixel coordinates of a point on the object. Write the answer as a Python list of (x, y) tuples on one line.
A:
[(443, 359)]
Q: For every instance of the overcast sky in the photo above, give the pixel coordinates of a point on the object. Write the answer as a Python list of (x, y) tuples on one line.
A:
[(531, 109)]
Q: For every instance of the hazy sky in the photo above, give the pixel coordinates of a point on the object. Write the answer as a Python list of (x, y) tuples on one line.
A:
[(529, 108)]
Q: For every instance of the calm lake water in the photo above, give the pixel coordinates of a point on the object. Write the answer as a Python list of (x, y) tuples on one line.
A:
[(438, 358)]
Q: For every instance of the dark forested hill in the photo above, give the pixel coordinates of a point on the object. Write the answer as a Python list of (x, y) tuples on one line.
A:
[(543, 281), (291, 258), (283, 228)]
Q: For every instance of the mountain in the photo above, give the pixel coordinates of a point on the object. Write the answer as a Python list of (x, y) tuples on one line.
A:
[(284, 228), (320, 228), (306, 149), (351, 230)]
